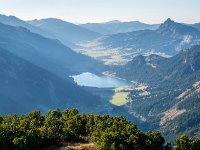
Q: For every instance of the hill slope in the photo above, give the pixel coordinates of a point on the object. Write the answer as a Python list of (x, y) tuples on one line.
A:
[(46, 53), (35, 73), (26, 87)]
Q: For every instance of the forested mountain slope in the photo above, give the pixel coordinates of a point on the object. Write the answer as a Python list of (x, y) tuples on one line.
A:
[(172, 102), (46, 53), (35, 73), (26, 87), (157, 69)]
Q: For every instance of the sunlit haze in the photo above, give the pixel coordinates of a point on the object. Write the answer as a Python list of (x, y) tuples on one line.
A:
[(81, 11)]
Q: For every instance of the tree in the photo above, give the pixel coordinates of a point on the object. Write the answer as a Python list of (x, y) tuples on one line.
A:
[(155, 140), (183, 143), (196, 144)]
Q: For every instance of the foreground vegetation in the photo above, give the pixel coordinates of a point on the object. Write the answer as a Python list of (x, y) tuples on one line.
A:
[(35, 131)]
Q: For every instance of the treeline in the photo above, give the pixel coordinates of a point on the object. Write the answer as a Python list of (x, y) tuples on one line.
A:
[(35, 131)]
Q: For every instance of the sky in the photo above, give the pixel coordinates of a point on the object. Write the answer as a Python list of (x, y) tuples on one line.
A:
[(83, 11)]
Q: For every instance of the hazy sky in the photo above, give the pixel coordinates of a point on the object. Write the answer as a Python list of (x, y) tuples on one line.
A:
[(148, 11)]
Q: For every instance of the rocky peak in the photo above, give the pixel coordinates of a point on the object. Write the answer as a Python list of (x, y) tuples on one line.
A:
[(176, 30)]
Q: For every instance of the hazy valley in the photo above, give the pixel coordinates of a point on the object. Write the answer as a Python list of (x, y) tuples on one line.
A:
[(147, 73)]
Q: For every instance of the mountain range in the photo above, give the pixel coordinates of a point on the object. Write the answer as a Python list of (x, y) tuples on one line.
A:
[(64, 31), (115, 26), (167, 40), (14, 21), (68, 33)]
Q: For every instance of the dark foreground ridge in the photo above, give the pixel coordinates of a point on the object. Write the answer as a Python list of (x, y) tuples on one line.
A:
[(35, 131)]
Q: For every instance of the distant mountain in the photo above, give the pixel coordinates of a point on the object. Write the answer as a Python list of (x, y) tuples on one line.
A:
[(115, 26), (168, 39), (171, 104), (46, 53), (14, 21), (26, 87), (176, 30), (113, 21), (196, 25), (64, 30)]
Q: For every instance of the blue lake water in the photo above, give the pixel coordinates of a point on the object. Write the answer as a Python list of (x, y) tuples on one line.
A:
[(92, 80)]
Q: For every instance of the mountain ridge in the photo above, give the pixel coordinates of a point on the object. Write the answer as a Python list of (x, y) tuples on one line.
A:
[(114, 27), (167, 40), (173, 29), (14, 21), (64, 30)]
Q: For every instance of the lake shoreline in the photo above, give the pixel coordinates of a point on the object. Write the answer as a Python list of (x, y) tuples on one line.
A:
[(104, 81)]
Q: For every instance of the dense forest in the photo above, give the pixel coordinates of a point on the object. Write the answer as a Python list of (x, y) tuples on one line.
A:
[(35, 131), (173, 86)]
